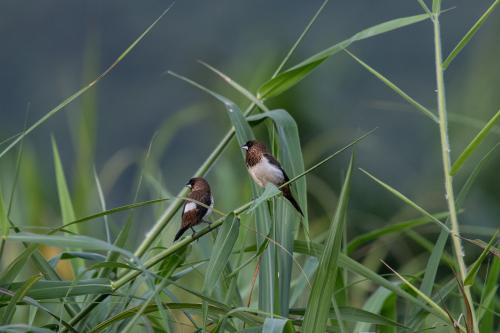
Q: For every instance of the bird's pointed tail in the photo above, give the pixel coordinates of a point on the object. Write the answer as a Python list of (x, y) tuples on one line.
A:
[(180, 232), (287, 193)]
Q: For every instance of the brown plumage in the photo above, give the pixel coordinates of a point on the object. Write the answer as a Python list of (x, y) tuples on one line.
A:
[(264, 168), (192, 212)]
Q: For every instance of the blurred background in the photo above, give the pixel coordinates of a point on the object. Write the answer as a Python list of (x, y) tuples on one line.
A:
[(52, 48)]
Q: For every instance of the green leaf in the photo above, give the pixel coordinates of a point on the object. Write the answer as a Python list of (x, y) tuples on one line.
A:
[(373, 305), (471, 275), (316, 316), (67, 211), (72, 254), (21, 328), (277, 325), (77, 94), (406, 200), (468, 36), (72, 241), (256, 255), (21, 292), (358, 241), (270, 191), (473, 144), (487, 321), (58, 289), (315, 249), (223, 247), (438, 310), (396, 89), (294, 75), (4, 221), (355, 315)]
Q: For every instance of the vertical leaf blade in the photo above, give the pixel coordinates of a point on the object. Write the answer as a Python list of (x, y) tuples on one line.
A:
[(318, 305), (222, 250)]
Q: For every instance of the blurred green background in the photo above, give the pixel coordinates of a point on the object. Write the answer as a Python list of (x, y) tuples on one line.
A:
[(51, 48)]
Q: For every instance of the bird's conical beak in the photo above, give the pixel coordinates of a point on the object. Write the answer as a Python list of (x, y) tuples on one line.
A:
[(244, 147)]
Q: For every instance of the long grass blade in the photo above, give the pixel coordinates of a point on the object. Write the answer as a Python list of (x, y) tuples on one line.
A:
[(73, 241), (358, 241), (77, 94), (427, 299), (396, 89), (473, 144), (468, 36), (471, 275), (406, 200), (18, 296), (221, 252), (297, 73), (316, 316), (277, 325), (44, 289)]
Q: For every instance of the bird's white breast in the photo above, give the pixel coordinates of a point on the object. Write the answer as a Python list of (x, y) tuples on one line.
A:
[(265, 172), (189, 206)]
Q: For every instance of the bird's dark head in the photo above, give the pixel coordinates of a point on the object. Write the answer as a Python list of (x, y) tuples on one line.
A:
[(254, 146), (198, 184)]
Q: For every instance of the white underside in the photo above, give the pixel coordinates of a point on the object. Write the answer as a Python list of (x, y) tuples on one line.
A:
[(192, 205), (264, 172)]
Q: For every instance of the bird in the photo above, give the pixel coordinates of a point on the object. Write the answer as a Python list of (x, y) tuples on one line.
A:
[(193, 213), (264, 168)]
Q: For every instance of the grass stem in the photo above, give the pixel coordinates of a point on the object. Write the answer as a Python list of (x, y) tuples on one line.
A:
[(445, 150)]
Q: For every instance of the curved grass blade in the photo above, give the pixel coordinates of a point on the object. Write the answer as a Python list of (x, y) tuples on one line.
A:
[(4, 221), (294, 75), (406, 200), (65, 203), (358, 241), (355, 315), (427, 299), (221, 252), (277, 325), (487, 308), (396, 89), (373, 305), (468, 36), (21, 328), (270, 191), (71, 255), (316, 316), (35, 304), (77, 94), (471, 275), (473, 144), (73, 241), (302, 35), (102, 201), (18, 296), (45, 289), (111, 211)]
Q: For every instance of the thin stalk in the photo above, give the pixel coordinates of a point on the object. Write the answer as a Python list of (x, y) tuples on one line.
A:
[(445, 150)]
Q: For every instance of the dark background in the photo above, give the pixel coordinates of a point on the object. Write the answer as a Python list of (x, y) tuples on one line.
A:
[(49, 49)]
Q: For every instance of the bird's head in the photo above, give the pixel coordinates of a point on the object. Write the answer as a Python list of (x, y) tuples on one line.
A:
[(198, 184), (254, 146)]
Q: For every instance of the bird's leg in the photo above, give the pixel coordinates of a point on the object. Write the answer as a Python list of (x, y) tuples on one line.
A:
[(194, 232)]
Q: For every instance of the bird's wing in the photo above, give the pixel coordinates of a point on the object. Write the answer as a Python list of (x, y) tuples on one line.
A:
[(275, 162), (193, 212)]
